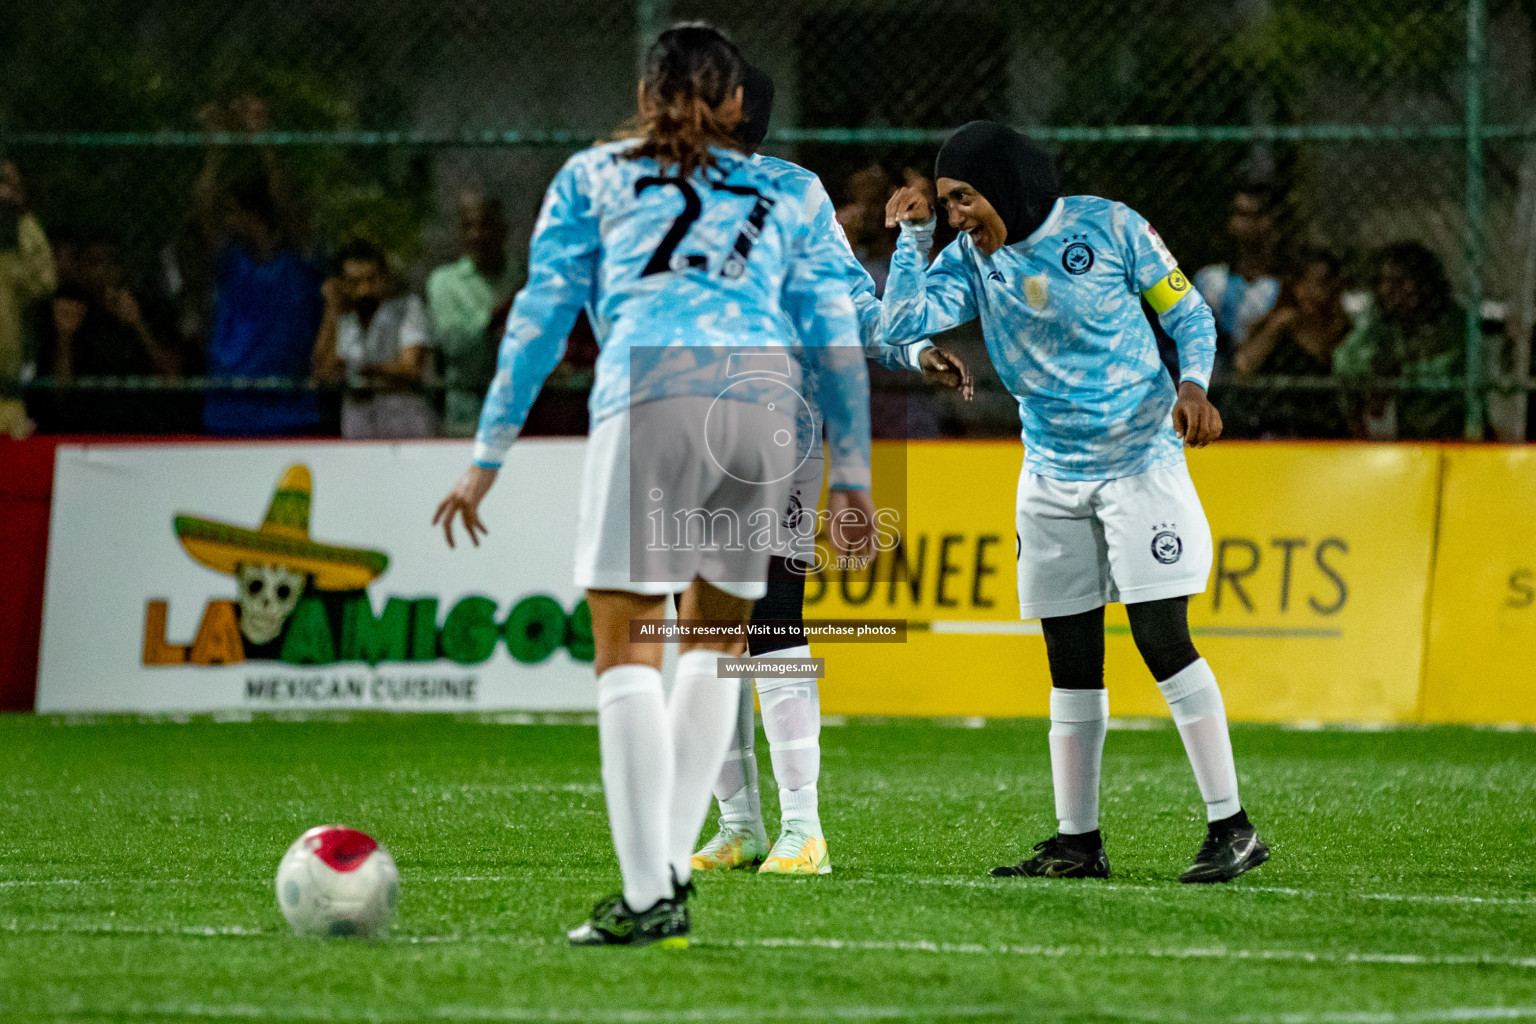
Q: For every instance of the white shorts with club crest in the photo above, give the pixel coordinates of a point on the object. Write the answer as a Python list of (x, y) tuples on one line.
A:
[(1086, 543)]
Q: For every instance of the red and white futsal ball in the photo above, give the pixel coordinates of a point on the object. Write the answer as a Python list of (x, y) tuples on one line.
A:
[(337, 881)]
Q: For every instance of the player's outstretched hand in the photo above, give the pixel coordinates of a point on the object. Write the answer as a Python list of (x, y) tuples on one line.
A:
[(909, 203), (851, 522), (941, 366), (464, 501), (1195, 419)]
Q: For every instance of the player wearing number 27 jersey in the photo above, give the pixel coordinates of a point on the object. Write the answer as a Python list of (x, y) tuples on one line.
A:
[(708, 291), (724, 258)]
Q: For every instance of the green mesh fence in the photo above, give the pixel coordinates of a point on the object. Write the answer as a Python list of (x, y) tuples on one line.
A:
[(1376, 122)]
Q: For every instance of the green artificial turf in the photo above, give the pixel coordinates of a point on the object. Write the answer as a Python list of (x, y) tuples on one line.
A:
[(136, 864)]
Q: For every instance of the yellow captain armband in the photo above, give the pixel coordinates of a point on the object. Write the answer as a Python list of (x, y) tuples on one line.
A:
[(1166, 294)]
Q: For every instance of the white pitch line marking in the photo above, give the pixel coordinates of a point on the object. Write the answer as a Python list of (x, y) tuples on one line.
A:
[(1272, 890), (452, 1012), (198, 931), (1443, 1015), (247, 1011), (1448, 1014), (967, 883), (861, 946), (1191, 953)]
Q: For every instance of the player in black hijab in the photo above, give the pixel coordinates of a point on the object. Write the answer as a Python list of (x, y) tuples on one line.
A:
[(1014, 174)]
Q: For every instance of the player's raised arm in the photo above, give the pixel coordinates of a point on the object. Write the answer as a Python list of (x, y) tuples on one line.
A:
[(940, 366), (828, 235), (1153, 273), (562, 269), (921, 299)]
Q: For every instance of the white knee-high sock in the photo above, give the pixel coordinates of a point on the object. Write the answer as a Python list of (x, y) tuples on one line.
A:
[(636, 744), (1079, 719), (736, 788), (1198, 711), (702, 711), (792, 723)]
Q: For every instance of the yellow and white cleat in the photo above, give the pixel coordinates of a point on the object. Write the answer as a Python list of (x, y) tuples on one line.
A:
[(732, 847), (797, 853)]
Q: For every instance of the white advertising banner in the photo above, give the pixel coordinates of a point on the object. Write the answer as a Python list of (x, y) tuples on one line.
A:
[(297, 575)]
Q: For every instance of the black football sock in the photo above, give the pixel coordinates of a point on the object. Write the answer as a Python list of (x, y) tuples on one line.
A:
[(1230, 824), (1083, 842)]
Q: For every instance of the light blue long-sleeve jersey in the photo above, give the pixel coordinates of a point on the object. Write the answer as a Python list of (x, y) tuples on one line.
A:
[(1062, 319), (807, 188), (674, 273)]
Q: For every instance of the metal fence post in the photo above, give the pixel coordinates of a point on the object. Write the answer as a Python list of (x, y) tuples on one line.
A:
[(1477, 22), (651, 19)]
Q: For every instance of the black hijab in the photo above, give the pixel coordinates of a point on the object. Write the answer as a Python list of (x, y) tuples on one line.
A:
[(1013, 174)]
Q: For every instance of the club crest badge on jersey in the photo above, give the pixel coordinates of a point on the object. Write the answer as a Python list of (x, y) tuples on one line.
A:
[(1037, 291), (1077, 258), (1166, 545)]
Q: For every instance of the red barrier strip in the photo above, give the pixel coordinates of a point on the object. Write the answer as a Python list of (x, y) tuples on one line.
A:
[(26, 486), (26, 494)]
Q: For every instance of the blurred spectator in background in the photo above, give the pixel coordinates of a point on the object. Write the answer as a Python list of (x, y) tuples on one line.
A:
[(897, 410), (98, 329), (1297, 339), (462, 298), (1242, 291), (375, 340), (26, 274), (267, 302), (863, 221), (1413, 331)]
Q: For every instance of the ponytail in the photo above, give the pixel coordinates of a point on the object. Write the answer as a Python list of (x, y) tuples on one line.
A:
[(690, 73)]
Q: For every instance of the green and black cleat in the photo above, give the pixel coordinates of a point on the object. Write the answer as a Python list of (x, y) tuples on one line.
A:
[(1228, 851), (1061, 857), (614, 924)]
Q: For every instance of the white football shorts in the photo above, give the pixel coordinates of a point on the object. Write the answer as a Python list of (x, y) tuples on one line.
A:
[(1086, 543), (684, 488)]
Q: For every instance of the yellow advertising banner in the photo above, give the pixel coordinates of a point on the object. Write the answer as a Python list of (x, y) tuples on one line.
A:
[(1481, 665), (1315, 609)]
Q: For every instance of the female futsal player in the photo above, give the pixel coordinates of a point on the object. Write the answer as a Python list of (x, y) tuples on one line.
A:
[(1106, 510), (792, 702), (690, 264)]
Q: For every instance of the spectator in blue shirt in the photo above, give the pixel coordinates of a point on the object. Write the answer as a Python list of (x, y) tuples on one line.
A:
[(1241, 292), (267, 299)]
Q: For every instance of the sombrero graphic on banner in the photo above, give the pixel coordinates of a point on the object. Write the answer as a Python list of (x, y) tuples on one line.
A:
[(274, 563), (306, 602)]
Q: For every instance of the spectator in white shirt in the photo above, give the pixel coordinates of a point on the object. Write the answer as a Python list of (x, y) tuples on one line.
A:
[(377, 343)]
